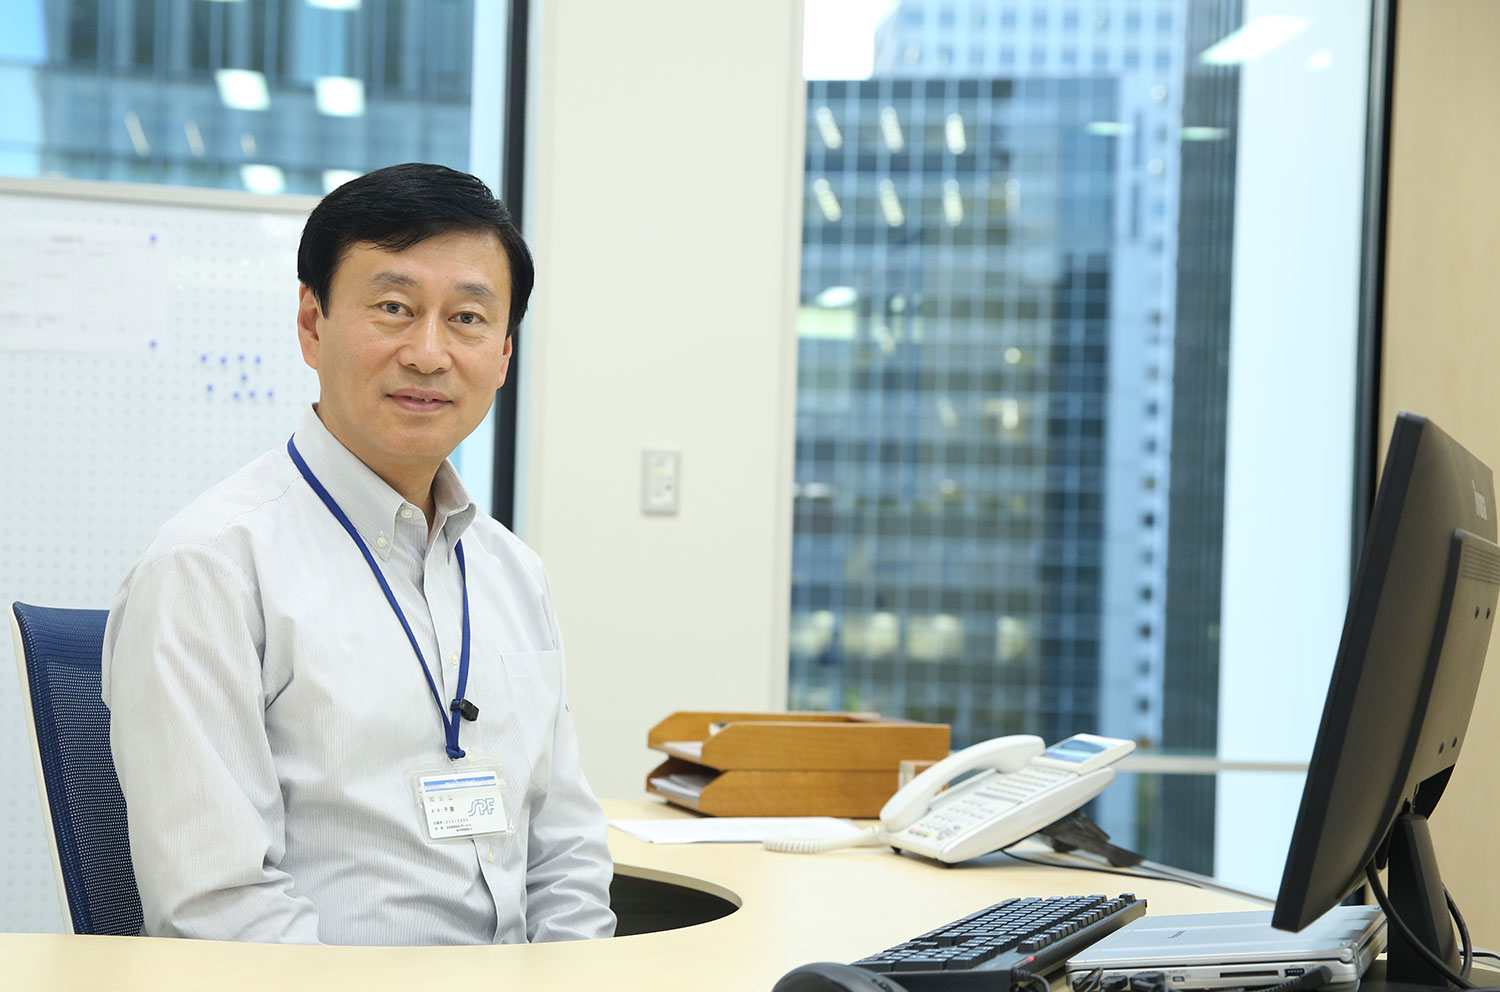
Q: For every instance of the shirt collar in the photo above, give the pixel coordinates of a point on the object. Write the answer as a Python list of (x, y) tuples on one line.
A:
[(368, 500)]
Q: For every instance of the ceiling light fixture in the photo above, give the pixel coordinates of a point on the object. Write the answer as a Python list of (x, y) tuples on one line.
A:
[(243, 89), (890, 205), (890, 129), (828, 128), (827, 201)]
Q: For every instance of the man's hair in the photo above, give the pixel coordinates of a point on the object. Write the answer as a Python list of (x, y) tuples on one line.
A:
[(401, 206)]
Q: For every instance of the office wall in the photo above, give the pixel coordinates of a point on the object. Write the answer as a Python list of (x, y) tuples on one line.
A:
[(664, 209), (148, 336), (1442, 343)]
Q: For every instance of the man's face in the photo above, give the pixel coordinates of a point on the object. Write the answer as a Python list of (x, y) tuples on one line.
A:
[(412, 348)]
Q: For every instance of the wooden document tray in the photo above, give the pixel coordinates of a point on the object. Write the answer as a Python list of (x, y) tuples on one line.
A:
[(790, 764)]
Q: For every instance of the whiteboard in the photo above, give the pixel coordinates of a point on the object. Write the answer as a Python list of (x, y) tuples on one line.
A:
[(148, 340)]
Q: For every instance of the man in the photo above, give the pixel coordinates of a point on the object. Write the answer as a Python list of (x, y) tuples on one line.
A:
[(336, 688)]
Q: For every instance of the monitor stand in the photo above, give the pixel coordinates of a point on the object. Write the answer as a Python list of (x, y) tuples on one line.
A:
[(1416, 893)]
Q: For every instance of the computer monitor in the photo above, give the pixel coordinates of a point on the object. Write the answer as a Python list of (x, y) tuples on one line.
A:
[(1415, 636)]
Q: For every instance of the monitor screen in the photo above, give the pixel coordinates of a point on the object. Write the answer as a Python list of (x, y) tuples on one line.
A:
[(1415, 635)]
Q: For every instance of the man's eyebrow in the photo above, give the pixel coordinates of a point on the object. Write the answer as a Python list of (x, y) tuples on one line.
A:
[(478, 290), (387, 279), (393, 280)]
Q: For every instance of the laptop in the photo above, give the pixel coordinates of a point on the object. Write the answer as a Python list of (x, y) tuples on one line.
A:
[(1228, 950)]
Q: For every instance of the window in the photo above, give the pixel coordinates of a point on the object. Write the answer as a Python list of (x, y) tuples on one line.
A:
[(269, 96), (1012, 458), (273, 96)]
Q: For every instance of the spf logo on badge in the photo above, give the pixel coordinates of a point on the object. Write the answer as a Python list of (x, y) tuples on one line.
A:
[(482, 807)]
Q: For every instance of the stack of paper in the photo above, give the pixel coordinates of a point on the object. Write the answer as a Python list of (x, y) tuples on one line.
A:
[(683, 785), (690, 749)]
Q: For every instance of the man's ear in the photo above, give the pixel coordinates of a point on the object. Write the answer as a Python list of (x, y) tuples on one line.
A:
[(505, 359), (308, 315)]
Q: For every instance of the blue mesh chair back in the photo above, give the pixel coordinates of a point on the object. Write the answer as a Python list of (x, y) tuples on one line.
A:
[(59, 654)]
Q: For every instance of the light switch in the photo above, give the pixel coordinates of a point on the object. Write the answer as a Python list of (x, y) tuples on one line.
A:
[(659, 480)]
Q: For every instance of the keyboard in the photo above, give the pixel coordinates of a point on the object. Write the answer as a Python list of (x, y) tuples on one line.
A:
[(1035, 935)]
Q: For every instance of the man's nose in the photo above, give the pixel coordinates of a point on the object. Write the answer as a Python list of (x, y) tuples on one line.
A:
[(426, 348)]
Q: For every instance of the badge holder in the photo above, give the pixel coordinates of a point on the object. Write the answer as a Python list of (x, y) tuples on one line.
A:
[(465, 799)]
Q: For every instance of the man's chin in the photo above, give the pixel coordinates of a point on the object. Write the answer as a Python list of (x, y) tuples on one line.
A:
[(412, 442)]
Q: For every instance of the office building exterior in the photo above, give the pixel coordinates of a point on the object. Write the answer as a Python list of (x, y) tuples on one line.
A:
[(275, 96), (987, 412), (952, 371), (1201, 387)]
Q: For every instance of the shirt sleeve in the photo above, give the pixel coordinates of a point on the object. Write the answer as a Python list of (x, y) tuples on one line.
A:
[(182, 680), (568, 864)]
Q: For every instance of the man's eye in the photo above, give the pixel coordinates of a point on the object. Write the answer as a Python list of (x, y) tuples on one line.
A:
[(470, 318), (392, 308)]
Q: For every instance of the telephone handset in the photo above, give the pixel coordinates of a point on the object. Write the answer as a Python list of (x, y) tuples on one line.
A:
[(1002, 754), (1020, 786)]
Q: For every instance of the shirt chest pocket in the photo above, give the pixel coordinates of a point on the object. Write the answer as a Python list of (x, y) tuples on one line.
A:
[(533, 689)]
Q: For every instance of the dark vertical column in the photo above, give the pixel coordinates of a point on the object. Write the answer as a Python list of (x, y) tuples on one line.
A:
[(1367, 426), (1200, 394), (513, 156)]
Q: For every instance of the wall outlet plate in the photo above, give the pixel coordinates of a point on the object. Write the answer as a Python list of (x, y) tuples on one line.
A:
[(660, 470)]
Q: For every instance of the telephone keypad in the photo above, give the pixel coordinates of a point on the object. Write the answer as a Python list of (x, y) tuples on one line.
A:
[(997, 794), (1019, 786)]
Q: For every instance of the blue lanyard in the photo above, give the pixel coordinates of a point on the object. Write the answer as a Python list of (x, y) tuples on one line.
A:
[(460, 707)]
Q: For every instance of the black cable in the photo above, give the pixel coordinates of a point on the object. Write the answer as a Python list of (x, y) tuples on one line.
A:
[(1463, 933), (1103, 871), (1314, 979), (1020, 975), (1423, 951), (1156, 981), (1491, 959), (1149, 981), (1090, 982)]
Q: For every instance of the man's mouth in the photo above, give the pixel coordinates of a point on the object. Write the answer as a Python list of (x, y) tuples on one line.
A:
[(420, 400)]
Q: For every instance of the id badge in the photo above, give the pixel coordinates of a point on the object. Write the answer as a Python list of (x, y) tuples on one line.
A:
[(465, 799)]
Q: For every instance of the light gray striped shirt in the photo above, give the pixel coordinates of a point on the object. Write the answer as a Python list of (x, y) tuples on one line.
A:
[(268, 714)]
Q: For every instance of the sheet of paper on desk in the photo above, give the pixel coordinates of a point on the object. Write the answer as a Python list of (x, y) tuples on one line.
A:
[(734, 829)]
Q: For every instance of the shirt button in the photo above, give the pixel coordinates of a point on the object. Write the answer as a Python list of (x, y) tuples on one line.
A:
[(490, 856), (381, 542), (406, 512), (453, 657)]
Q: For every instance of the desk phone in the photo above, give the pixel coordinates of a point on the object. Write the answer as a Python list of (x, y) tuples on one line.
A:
[(1016, 786), (1022, 786)]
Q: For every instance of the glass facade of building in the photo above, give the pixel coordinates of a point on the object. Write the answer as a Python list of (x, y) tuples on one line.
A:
[(988, 404), (952, 368), (267, 95)]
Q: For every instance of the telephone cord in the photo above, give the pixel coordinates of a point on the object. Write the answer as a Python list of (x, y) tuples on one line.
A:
[(873, 837)]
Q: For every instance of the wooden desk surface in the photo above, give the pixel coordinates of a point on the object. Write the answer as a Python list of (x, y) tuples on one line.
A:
[(794, 909)]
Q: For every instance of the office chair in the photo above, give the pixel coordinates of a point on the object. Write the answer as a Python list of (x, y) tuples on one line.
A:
[(58, 654)]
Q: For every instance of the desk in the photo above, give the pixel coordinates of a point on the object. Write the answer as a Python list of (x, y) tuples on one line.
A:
[(793, 909)]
